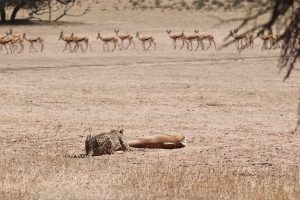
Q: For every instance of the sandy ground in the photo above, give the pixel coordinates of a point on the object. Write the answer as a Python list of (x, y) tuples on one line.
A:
[(233, 108)]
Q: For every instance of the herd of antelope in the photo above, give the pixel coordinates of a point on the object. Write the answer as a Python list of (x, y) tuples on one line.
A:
[(14, 42), (270, 41)]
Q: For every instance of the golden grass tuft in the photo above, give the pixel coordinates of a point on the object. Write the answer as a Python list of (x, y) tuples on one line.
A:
[(58, 177)]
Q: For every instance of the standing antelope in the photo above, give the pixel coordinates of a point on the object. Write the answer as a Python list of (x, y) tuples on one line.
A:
[(68, 40), (78, 41), (12, 34), (266, 39), (239, 39), (276, 42), (250, 38), (4, 42), (189, 40), (14, 42), (107, 40), (125, 37), (38, 40), (145, 39), (175, 38), (208, 37), (16, 39)]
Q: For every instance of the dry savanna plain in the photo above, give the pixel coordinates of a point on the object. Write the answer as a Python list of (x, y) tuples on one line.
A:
[(235, 110)]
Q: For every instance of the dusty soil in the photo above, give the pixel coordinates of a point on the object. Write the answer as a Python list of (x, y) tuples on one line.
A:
[(234, 109)]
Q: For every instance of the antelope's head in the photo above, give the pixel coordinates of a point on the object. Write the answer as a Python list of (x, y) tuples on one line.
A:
[(98, 36), (232, 33)]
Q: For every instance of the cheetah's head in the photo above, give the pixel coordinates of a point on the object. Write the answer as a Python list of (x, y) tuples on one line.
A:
[(87, 144)]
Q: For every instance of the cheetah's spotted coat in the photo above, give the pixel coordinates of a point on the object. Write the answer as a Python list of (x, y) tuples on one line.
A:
[(105, 143)]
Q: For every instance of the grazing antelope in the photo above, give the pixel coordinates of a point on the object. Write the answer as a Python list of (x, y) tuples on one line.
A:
[(107, 40), (175, 38), (78, 41), (125, 37), (145, 39), (38, 40), (68, 40)]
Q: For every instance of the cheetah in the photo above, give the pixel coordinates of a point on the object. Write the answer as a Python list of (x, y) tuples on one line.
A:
[(106, 143)]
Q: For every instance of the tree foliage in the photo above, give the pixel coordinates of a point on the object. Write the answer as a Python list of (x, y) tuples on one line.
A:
[(284, 18), (38, 8)]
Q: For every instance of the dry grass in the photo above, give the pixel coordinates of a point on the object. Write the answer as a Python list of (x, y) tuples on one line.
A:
[(185, 183), (34, 178)]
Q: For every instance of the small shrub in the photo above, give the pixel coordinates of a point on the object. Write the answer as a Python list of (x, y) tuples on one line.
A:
[(183, 4), (199, 4), (157, 3)]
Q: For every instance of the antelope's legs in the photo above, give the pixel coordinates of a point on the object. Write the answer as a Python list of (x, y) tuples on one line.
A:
[(133, 43), (87, 45), (68, 44), (107, 46), (198, 44), (150, 43), (191, 43), (11, 47), (129, 44), (76, 47), (118, 45), (143, 44), (154, 44), (122, 44), (208, 45), (114, 46), (213, 41), (104, 46), (42, 46), (21, 47), (4, 47), (182, 44)]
